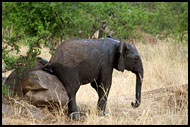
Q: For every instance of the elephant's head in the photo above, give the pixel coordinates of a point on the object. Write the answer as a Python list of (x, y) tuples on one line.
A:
[(130, 59)]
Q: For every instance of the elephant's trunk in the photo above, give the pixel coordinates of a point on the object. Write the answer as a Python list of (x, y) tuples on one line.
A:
[(139, 80)]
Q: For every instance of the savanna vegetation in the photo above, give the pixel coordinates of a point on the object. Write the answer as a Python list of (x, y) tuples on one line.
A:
[(31, 29)]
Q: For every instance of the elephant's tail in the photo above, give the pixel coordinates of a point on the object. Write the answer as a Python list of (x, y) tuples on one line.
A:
[(48, 68)]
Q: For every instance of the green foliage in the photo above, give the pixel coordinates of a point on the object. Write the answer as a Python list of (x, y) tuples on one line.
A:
[(166, 19), (81, 19), (13, 61), (5, 90)]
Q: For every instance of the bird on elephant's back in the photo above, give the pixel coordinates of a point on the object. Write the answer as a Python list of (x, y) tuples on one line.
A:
[(81, 61)]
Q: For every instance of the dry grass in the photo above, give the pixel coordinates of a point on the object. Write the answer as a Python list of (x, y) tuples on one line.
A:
[(165, 65)]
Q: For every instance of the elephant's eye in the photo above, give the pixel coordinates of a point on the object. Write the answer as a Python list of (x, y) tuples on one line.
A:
[(127, 51)]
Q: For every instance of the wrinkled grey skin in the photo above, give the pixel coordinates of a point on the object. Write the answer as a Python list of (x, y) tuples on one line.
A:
[(81, 61)]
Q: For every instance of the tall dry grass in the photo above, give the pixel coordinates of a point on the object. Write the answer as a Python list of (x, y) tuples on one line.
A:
[(165, 65)]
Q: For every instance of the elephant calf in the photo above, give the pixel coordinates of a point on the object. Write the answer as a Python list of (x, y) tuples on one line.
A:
[(82, 61)]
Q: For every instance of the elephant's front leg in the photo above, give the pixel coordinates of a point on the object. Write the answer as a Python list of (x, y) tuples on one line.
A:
[(103, 92), (102, 87)]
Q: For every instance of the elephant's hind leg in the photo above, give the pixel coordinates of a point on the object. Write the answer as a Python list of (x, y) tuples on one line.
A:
[(72, 87)]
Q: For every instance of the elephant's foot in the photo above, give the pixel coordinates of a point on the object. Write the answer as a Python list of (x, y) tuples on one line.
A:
[(102, 113), (75, 115)]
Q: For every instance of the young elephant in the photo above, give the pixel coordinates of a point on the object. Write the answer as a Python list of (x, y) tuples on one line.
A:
[(82, 61)]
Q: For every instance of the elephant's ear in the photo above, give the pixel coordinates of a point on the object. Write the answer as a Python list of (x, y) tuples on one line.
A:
[(121, 63)]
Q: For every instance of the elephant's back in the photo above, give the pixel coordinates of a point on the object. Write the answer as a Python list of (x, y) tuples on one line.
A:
[(73, 52)]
